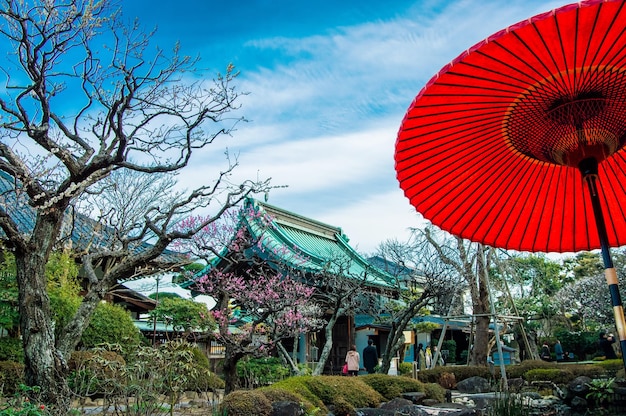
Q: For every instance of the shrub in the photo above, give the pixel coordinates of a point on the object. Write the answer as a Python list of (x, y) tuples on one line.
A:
[(450, 345), (280, 395), (460, 373), (261, 371), (435, 391), (323, 391), (405, 369), (611, 367), (342, 407), (202, 379), (11, 350), (82, 359), (447, 380), (111, 324), (11, 376), (200, 358), (355, 392), (298, 386), (95, 373), (555, 375), (390, 387), (517, 371), (246, 403)]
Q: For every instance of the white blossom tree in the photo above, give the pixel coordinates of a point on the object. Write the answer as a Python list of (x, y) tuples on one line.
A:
[(84, 96)]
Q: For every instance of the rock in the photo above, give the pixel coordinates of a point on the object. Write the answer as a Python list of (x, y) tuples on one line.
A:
[(374, 412), (579, 386), (396, 404), (532, 395), (579, 404), (415, 397), (473, 385), (287, 408)]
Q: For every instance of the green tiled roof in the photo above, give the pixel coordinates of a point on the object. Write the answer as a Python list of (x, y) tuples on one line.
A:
[(309, 245)]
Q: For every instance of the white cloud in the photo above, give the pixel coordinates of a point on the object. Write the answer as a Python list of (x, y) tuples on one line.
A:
[(325, 112)]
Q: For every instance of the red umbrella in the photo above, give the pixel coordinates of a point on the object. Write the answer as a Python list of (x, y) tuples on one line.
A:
[(500, 145)]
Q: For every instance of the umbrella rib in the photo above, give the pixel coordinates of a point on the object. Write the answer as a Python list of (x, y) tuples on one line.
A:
[(559, 75), (505, 164), (613, 167)]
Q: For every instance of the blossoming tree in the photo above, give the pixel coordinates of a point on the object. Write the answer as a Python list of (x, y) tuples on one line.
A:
[(259, 302)]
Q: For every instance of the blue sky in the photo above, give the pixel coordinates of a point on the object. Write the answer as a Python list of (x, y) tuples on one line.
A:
[(329, 83)]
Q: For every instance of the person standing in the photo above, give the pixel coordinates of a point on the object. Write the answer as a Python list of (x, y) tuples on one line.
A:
[(370, 356), (606, 346), (558, 351), (545, 352), (421, 357), (353, 359)]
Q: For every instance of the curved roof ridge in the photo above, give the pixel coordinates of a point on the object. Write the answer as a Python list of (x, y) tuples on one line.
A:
[(320, 242)]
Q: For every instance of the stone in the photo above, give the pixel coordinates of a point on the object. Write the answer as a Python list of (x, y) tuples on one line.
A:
[(396, 404), (287, 408), (374, 412), (579, 404), (579, 386), (415, 397), (473, 385)]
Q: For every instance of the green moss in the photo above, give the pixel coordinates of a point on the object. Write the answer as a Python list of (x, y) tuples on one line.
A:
[(555, 375), (342, 407), (246, 403), (435, 391), (460, 373), (391, 387), (325, 391), (298, 386)]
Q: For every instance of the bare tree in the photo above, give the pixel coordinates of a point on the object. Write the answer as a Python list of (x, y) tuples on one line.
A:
[(120, 199), (469, 261), (340, 293), (83, 98), (420, 281)]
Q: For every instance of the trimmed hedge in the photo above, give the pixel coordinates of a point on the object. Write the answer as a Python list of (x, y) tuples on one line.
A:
[(280, 395), (555, 375), (391, 387), (460, 372), (325, 392), (246, 403)]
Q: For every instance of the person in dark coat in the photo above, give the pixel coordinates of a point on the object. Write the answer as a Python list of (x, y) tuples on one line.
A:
[(606, 345), (370, 357)]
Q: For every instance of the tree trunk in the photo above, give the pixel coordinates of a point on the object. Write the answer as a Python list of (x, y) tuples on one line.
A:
[(231, 379), (328, 346), (44, 366), (482, 312), (282, 352), (391, 349), (481, 341)]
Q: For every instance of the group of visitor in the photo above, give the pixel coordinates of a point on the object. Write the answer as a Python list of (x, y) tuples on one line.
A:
[(605, 345), (353, 359)]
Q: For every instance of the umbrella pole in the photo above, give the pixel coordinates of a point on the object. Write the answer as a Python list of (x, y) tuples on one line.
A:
[(589, 170)]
